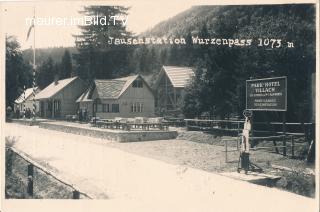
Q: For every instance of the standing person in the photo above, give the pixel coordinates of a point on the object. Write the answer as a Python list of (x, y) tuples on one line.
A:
[(85, 114), (18, 113), (245, 145), (9, 112), (80, 115), (28, 113)]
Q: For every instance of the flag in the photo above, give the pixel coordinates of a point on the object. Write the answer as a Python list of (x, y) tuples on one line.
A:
[(29, 31)]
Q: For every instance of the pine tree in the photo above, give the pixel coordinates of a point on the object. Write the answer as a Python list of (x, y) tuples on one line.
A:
[(47, 73), (66, 65), (97, 58), (18, 72)]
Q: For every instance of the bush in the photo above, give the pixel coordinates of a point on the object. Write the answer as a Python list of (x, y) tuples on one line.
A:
[(298, 182)]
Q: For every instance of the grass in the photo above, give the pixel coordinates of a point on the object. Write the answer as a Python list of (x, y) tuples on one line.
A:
[(297, 182), (44, 186)]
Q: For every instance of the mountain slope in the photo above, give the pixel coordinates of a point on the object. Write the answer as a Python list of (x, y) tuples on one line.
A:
[(190, 20)]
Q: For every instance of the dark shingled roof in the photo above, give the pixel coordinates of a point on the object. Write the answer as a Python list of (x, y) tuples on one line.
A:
[(109, 88)]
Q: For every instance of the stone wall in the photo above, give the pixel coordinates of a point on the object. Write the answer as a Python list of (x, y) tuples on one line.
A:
[(112, 135), (28, 122)]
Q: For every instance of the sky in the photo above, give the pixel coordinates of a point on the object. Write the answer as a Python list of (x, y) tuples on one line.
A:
[(143, 15)]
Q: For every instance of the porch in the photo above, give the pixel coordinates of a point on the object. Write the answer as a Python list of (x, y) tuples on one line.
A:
[(50, 108)]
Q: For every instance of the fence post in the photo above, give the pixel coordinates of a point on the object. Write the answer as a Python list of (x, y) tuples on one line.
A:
[(284, 133), (226, 149), (238, 141), (30, 180), (292, 146), (284, 146), (304, 132), (75, 194), (9, 160), (275, 145)]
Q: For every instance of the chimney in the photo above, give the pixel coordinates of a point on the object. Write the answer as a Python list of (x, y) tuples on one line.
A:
[(56, 79)]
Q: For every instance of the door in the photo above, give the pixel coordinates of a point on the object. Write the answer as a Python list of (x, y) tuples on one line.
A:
[(42, 108), (57, 108)]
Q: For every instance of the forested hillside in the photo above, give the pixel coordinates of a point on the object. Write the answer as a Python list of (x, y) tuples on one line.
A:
[(43, 54), (190, 20), (221, 71)]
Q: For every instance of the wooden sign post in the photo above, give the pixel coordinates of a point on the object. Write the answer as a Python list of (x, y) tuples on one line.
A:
[(268, 94)]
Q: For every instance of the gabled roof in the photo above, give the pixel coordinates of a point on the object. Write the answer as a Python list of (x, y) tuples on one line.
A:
[(113, 88), (25, 95), (87, 95), (108, 88), (178, 76), (54, 88)]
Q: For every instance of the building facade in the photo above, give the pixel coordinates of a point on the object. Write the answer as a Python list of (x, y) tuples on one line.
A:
[(122, 97), (58, 99)]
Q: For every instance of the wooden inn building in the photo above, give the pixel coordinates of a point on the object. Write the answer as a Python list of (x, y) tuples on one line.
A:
[(58, 99), (122, 97)]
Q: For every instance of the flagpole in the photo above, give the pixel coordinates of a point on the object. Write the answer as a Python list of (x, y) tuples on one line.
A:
[(24, 102), (34, 65)]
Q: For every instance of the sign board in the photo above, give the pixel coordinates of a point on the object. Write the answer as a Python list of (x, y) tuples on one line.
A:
[(268, 94)]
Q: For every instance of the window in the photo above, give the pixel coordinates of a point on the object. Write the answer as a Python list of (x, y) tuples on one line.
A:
[(137, 107), (99, 108), (134, 107), (105, 108), (137, 83), (49, 106), (115, 108), (57, 105)]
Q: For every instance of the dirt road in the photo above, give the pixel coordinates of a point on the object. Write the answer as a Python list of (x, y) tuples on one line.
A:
[(134, 183)]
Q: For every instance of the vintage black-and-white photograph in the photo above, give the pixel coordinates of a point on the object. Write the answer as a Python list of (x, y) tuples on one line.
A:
[(153, 106)]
